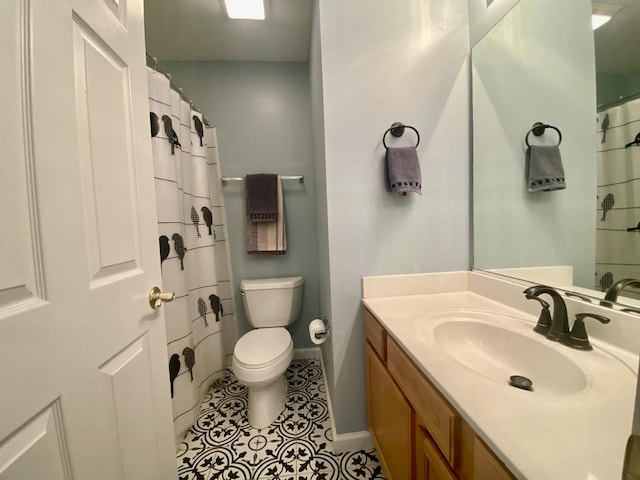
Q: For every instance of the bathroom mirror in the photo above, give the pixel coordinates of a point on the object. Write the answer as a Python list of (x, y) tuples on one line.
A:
[(542, 62)]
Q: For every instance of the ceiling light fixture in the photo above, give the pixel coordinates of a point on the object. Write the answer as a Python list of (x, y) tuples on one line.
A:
[(602, 12), (598, 20), (245, 9)]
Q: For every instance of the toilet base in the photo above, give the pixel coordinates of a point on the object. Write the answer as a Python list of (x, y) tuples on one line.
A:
[(266, 403)]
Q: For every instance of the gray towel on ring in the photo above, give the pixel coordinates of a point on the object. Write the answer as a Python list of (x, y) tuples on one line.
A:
[(544, 169), (403, 170)]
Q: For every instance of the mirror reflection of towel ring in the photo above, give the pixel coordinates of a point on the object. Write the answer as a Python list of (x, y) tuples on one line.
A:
[(538, 130), (397, 130)]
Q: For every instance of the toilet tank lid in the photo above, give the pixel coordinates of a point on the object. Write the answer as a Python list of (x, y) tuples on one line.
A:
[(270, 283)]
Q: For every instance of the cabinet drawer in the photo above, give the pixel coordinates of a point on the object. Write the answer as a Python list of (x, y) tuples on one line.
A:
[(440, 419), (486, 466), (375, 334)]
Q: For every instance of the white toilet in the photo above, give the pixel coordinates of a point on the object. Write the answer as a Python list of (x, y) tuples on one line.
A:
[(262, 355)]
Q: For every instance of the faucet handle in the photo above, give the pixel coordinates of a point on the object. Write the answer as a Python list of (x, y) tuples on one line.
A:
[(544, 320), (578, 337), (601, 318)]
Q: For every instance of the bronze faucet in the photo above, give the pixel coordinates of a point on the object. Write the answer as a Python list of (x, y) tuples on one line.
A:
[(616, 288), (559, 328)]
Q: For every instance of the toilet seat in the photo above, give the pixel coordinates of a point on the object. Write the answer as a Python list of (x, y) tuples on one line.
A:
[(262, 347)]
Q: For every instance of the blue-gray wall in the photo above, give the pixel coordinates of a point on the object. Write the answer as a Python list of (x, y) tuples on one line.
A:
[(383, 62), (262, 115), (317, 109), (611, 88), (519, 78), (408, 62)]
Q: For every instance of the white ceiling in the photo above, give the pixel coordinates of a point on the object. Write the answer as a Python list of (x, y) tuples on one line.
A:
[(199, 30), (618, 41)]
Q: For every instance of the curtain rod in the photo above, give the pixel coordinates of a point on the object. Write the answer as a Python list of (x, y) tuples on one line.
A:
[(153, 63)]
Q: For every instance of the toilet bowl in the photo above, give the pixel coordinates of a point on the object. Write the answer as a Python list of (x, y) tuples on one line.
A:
[(262, 356), (260, 359)]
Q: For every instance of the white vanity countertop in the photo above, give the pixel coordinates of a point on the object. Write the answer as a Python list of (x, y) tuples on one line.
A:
[(571, 436)]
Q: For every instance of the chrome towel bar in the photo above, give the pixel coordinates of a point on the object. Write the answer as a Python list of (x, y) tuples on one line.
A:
[(224, 180)]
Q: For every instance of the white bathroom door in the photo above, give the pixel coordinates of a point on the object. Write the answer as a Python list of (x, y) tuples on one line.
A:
[(84, 382)]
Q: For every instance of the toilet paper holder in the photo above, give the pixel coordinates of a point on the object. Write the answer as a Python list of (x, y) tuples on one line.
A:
[(325, 332)]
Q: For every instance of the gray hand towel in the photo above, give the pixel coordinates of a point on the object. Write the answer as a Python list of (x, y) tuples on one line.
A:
[(262, 197), (544, 169), (403, 170)]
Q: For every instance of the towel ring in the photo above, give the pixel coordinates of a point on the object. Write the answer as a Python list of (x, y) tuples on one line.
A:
[(397, 130), (538, 130)]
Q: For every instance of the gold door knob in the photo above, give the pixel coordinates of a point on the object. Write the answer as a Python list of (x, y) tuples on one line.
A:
[(156, 297)]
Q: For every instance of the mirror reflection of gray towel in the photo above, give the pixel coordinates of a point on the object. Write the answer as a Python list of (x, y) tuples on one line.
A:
[(544, 169), (403, 170)]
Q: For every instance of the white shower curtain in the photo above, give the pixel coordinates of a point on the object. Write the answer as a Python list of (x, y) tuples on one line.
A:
[(618, 208), (193, 252)]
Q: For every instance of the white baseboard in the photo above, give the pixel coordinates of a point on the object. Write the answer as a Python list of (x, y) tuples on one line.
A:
[(352, 442), (344, 442), (312, 352)]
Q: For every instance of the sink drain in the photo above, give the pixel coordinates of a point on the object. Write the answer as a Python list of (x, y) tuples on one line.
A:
[(519, 381)]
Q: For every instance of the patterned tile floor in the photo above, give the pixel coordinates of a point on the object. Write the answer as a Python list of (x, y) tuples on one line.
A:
[(297, 446)]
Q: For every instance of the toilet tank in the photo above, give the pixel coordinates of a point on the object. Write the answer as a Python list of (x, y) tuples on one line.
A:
[(272, 302)]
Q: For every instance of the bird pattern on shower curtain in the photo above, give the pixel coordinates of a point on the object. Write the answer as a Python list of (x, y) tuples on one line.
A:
[(178, 246), (172, 136), (195, 219), (189, 359), (174, 369), (208, 217), (155, 126), (618, 160), (197, 123), (202, 310), (165, 248), (216, 306), (607, 204), (605, 127), (606, 281), (194, 266)]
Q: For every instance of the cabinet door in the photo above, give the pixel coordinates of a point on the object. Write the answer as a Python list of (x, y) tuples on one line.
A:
[(435, 466), (420, 435), (390, 418), (486, 466)]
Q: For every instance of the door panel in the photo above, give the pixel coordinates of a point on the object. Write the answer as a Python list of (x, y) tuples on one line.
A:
[(127, 381), (20, 256), (84, 389), (119, 10), (106, 156), (37, 449)]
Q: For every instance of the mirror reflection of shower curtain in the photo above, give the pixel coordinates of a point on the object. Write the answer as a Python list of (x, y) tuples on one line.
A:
[(193, 251), (618, 206)]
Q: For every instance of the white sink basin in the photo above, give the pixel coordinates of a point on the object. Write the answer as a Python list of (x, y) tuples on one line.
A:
[(482, 343)]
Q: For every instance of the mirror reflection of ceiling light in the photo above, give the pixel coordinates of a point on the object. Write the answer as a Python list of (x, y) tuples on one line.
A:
[(602, 12), (598, 20), (245, 9)]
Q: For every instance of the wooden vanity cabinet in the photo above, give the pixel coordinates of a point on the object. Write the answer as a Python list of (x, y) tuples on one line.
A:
[(417, 433), (390, 418)]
